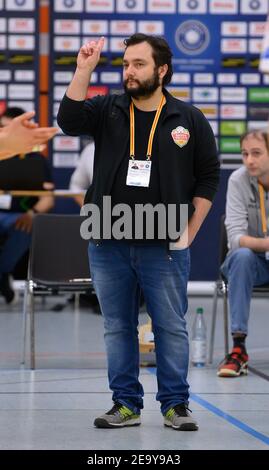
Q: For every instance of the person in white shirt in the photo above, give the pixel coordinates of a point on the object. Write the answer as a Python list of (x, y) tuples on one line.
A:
[(81, 179)]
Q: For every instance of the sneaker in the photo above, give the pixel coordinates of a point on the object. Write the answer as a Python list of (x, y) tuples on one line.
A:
[(178, 417), (118, 417), (234, 364), (6, 289)]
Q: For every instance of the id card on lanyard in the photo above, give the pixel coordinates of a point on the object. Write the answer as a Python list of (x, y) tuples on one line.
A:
[(263, 217), (139, 170)]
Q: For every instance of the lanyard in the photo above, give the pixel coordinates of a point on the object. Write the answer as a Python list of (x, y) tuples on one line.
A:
[(152, 132), (262, 208)]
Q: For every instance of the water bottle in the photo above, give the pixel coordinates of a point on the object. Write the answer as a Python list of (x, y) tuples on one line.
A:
[(198, 343)]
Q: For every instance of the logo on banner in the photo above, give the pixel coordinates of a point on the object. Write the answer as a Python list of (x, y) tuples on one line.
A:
[(254, 4), (192, 37), (180, 136), (69, 3), (130, 4)]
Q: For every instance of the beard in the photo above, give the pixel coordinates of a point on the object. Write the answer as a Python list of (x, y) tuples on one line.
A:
[(143, 89)]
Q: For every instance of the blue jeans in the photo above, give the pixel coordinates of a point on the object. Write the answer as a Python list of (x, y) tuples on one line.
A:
[(16, 244), (244, 269), (118, 271)]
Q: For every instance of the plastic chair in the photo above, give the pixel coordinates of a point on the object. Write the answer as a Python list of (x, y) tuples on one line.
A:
[(221, 288), (58, 262)]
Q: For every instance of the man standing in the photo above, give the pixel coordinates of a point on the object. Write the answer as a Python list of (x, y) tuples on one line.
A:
[(247, 263), (174, 148)]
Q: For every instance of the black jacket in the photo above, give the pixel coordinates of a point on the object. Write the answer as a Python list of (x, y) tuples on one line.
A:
[(186, 172)]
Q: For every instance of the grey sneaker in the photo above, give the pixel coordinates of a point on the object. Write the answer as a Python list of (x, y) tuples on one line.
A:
[(178, 417), (118, 417)]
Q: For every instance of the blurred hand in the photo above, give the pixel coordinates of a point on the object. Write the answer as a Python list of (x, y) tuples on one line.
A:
[(22, 135), (25, 222)]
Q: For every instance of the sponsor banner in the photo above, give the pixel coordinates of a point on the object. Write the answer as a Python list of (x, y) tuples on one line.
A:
[(233, 111), (3, 25), (209, 110), (3, 106), (21, 25), (226, 78), (258, 112), (203, 78), (21, 91), (230, 145), (66, 43), (69, 59), (181, 79), (266, 79), (234, 28), (97, 90), (130, 6), (21, 42), (24, 75), (3, 42), (226, 7), (5, 75), (66, 26), (126, 27), (3, 91), (162, 6), (26, 105), (68, 6), (15, 5), (56, 108), (258, 125), (65, 160), (99, 27), (233, 46), (254, 7), (255, 46), (100, 6), (87, 39), (258, 95), (58, 92), (180, 93), (206, 94), (192, 37), (117, 44), (264, 60), (256, 28), (192, 6), (233, 94), (110, 77), (215, 127), (232, 127), (232, 62), (250, 78), (151, 27), (66, 143), (63, 77)]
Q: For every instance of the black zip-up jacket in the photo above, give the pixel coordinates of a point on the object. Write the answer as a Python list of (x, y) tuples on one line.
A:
[(186, 172)]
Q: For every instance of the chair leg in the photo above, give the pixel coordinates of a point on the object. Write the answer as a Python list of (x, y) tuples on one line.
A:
[(24, 320), (213, 324), (225, 317), (32, 329)]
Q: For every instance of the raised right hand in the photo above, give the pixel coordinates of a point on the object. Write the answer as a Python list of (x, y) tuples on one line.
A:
[(89, 55)]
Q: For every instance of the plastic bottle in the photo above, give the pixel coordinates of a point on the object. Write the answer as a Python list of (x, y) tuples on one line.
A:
[(198, 343)]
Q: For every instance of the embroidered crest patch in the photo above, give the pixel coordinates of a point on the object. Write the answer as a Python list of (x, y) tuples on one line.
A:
[(180, 136)]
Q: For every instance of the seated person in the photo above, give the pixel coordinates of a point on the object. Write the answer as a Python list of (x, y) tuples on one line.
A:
[(16, 217), (247, 263), (81, 179)]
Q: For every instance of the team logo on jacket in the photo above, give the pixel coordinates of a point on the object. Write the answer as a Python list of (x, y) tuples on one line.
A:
[(180, 136)]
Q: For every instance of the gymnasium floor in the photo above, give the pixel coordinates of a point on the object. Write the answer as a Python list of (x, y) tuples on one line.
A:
[(54, 406)]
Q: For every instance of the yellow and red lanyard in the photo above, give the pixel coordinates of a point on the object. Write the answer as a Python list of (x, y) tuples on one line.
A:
[(152, 131), (263, 212)]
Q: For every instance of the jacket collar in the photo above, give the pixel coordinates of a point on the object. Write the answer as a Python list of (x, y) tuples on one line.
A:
[(172, 104)]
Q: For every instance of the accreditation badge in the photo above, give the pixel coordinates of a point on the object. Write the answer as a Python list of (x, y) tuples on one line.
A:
[(138, 173)]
